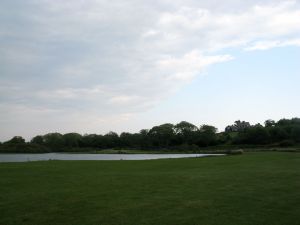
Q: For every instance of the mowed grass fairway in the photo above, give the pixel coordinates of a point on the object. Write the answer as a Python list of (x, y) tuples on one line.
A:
[(253, 189)]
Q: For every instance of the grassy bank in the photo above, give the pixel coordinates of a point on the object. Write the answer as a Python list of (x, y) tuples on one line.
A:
[(221, 150), (224, 149), (252, 189)]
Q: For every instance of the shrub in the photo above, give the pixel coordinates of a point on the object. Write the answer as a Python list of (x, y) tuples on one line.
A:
[(235, 152), (286, 143)]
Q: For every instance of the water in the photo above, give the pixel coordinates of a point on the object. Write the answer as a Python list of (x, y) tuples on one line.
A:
[(70, 156)]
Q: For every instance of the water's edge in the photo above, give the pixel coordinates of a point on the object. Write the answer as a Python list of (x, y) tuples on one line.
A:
[(20, 157)]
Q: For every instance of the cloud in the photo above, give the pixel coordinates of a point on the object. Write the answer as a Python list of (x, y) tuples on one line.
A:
[(112, 58), (265, 45), (210, 30), (189, 65)]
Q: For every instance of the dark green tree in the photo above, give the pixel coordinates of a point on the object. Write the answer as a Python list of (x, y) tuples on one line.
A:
[(72, 140), (256, 135), (295, 133), (38, 140), (54, 141), (185, 132), (16, 140), (111, 140), (162, 135), (270, 123), (144, 138), (92, 141), (206, 136), (126, 139), (277, 134)]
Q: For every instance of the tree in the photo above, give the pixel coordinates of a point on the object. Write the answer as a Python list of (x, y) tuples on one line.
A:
[(16, 140), (185, 127), (241, 125), (92, 140), (206, 136), (185, 132), (54, 141), (208, 129), (270, 123), (144, 138), (38, 140), (237, 126), (72, 140), (254, 135), (128, 139), (277, 134), (111, 140), (295, 133), (162, 135)]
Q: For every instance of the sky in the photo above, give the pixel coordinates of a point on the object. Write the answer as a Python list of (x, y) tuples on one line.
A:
[(94, 66)]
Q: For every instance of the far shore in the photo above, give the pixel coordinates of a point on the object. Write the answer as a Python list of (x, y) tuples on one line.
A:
[(165, 151)]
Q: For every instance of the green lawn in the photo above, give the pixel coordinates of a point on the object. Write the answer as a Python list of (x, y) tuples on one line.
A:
[(252, 189)]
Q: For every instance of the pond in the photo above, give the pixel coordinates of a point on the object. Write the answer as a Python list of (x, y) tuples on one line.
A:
[(69, 156)]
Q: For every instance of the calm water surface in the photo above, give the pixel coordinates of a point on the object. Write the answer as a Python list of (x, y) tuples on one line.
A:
[(68, 156)]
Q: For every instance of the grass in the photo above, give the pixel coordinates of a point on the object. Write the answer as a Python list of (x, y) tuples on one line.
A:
[(248, 189), (208, 150)]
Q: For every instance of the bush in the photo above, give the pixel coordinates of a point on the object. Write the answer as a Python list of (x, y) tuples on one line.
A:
[(287, 143), (186, 147), (235, 152), (23, 148)]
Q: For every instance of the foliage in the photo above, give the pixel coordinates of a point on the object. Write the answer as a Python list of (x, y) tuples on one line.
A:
[(72, 140), (162, 136), (54, 141), (16, 140), (38, 140), (206, 136), (254, 135), (285, 132), (23, 148), (235, 152)]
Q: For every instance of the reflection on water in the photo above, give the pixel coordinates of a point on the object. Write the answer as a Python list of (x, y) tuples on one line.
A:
[(68, 156)]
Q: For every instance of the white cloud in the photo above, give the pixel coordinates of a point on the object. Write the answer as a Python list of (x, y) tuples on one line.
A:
[(265, 45), (189, 65), (190, 27), (111, 58)]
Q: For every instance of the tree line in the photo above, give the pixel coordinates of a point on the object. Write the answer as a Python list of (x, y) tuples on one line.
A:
[(183, 136)]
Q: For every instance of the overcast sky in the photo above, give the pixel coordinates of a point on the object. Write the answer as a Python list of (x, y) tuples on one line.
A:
[(91, 66)]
